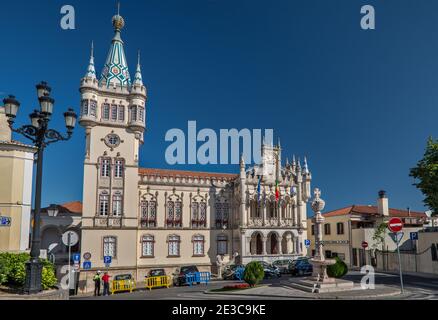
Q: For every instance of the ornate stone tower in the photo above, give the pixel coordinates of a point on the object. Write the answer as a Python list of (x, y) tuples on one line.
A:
[(113, 113)]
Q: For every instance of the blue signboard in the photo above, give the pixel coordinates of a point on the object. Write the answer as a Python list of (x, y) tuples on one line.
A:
[(87, 265), (414, 235), (5, 221), (107, 259), (77, 257), (307, 243)]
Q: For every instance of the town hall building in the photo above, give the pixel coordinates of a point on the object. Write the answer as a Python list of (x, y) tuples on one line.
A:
[(153, 218)]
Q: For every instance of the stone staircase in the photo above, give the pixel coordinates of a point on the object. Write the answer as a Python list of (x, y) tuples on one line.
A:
[(313, 286)]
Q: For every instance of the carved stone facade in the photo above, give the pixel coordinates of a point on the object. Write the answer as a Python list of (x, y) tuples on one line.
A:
[(153, 218)]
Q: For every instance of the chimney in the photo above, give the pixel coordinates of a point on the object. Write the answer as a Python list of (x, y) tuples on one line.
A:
[(382, 204)]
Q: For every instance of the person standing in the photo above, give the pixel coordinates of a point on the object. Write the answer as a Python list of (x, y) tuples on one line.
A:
[(96, 280), (105, 280)]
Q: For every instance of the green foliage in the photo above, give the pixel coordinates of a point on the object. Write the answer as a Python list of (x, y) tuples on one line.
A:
[(426, 173), (337, 270), (13, 270), (379, 235), (254, 273)]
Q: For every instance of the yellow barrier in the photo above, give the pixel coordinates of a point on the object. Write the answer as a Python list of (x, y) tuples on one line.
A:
[(122, 285), (158, 282)]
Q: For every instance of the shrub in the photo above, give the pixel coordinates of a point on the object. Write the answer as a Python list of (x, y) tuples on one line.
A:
[(239, 286), (13, 270), (338, 270), (254, 273)]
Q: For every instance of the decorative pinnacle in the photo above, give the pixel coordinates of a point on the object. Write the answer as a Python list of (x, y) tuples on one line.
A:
[(118, 21), (306, 167)]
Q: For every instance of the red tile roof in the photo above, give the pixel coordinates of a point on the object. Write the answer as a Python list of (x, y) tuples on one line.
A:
[(187, 174), (72, 207), (372, 210)]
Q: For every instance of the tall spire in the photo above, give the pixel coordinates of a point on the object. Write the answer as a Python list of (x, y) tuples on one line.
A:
[(115, 71), (306, 167), (138, 79), (91, 71)]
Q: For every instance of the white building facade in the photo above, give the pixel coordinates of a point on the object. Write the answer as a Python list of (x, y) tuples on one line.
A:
[(153, 218)]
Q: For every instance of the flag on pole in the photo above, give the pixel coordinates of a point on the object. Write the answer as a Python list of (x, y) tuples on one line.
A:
[(277, 191), (259, 187)]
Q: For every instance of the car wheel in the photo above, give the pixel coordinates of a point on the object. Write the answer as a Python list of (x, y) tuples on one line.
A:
[(300, 273)]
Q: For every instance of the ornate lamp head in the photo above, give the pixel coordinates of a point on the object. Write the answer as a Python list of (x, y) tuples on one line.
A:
[(318, 204)]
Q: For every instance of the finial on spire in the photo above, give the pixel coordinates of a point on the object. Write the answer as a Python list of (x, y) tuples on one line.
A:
[(306, 167), (242, 162), (91, 71), (118, 21), (279, 144), (138, 78), (299, 164)]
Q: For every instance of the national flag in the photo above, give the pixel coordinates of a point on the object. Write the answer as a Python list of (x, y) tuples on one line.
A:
[(277, 191), (259, 187)]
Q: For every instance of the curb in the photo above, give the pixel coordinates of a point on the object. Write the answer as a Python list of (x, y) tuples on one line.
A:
[(316, 297)]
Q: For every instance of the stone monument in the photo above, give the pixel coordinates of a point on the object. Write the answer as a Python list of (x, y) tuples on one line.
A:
[(320, 282)]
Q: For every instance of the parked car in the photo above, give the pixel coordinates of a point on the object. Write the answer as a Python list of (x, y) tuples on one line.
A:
[(126, 277), (156, 273), (270, 270), (300, 267), (229, 272), (179, 278), (282, 265)]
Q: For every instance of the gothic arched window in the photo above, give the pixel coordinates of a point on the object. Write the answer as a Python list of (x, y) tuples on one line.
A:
[(173, 243), (199, 212), (148, 211), (104, 203), (222, 244), (222, 213), (174, 212), (198, 245), (147, 246), (117, 204)]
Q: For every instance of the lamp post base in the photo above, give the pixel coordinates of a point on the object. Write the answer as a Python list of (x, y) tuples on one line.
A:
[(34, 271)]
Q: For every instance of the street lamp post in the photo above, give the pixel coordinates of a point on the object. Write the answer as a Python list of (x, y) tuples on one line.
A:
[(41, 136)]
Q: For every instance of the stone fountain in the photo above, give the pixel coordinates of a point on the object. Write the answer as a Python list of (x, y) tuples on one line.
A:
[(320, 282)]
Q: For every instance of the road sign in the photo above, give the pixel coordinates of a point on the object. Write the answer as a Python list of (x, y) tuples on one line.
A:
[(414, 236), (5, 221), (87, 256), (77, 257), (307, 243), (395, 225), (397, 237), (70, 238), (87, 265), (364, 244), (107, 260)]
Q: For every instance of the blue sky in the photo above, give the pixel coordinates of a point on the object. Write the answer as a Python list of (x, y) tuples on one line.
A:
[(359, 104)]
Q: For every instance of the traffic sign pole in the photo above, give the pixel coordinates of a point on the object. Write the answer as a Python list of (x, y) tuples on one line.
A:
[(399, 264)]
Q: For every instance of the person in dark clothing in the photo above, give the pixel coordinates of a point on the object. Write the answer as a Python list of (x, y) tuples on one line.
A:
[(96, 280)]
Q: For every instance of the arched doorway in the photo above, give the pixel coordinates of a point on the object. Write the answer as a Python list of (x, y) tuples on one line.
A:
[(273, 243), (256, 244)]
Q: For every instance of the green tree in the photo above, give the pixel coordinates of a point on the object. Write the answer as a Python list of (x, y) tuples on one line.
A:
[(337, 270), (426, 174), (254, 273)]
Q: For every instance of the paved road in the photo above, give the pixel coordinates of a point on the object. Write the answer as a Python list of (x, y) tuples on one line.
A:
[(417, 287)]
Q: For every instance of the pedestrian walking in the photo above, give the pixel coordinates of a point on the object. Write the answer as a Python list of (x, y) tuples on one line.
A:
[(97, 281), (105, 280)]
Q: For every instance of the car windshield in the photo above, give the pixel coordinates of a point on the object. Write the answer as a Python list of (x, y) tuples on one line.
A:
[(123, 277), (189, 269), (155, 273)]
